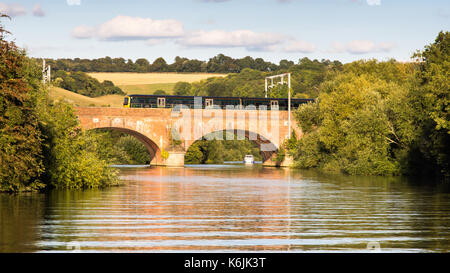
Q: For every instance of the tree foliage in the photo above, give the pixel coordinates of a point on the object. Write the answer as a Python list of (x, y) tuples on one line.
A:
[(306, 77), (218, 151), (380, 118), (82, 83), (20, 138), (216, 64), (120, 148), (41, 144)]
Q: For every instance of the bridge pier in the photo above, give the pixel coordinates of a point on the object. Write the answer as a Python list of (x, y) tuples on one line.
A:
[(175, 159), (287, 162)]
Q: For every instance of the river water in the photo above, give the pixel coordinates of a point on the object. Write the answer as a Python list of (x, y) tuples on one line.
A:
[(231, 208)]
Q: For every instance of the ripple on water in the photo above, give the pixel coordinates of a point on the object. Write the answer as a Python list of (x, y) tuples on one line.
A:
[(234, 208)]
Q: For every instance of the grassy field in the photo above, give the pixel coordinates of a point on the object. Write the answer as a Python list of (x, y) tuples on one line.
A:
[(60, 94), (147, 89), (147, 83)]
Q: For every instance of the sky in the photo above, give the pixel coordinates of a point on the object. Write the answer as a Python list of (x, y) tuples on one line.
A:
[(344, 30)]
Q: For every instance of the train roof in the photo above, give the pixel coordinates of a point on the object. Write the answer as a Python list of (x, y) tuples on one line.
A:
[(228, 98)]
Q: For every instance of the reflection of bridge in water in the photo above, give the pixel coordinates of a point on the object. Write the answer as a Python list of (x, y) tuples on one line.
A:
[(155, 128)]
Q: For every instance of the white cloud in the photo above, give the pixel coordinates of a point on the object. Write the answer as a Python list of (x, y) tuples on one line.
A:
[(238, 38), (12, 9), (361, 47), (374, 2), (136, 28), (299, 46), (84, 32), (38, 11), (73, 2), (122, 28), (155, 32)]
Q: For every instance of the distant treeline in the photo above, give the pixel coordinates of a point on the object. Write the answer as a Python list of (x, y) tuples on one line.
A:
[(217, 64), (306, 76)]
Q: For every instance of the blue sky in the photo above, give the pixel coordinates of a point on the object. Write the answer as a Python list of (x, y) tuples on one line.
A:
[(344, 30)]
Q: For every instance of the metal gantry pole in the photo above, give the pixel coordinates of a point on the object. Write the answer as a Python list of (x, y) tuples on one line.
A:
[(289, 95), (46, 73), (266, 87), (289, 104)]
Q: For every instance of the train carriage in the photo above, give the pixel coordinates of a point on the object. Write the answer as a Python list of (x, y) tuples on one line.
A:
[(169, 101)]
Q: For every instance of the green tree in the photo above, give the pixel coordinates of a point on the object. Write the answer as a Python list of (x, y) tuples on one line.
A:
[(194, 155), (142, 65), (135, 149), (430, 101), (71, 157), (41, 144), (351, 129), (20, 137), (182, 89), (159, 92), (160, 65)]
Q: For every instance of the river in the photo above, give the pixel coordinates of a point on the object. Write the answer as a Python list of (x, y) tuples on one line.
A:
[(236, 208)]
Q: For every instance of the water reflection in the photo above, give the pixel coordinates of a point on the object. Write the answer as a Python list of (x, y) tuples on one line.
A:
[(230, 208)]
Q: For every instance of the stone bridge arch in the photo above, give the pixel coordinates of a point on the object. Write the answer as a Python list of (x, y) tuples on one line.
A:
[(266, 147), (153, 149)]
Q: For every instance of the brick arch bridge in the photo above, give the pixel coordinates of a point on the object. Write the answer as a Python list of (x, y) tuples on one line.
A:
[(155, 128)]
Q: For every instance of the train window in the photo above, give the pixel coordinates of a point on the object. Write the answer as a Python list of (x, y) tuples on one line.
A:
[(161, 102), (209, 103), (125, 101), (274, 105)]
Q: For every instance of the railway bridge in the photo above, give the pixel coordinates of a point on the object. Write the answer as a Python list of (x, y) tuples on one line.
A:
[(168, 133)]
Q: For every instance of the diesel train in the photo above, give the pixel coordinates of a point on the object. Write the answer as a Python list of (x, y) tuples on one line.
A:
[(168, 101)]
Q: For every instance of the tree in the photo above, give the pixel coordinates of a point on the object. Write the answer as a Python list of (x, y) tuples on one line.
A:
[(82, 83), (135, 149), (159, 65), (434, 75), (142, 65), (41, 144), (159, 92), (285, 64), (20, 137), (430, 100), (71, 157), (177, 66), (353, 127), (182, 89), (194, 155)]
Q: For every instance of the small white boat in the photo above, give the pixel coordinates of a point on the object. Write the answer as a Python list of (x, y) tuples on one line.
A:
[(248, 160)]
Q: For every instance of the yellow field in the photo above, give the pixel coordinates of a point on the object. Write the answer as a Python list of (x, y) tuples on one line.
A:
[(147, 89), (60, 94), (121, 79)]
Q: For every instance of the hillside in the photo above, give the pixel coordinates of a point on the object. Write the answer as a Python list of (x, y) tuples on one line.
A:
[(57, 93)]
